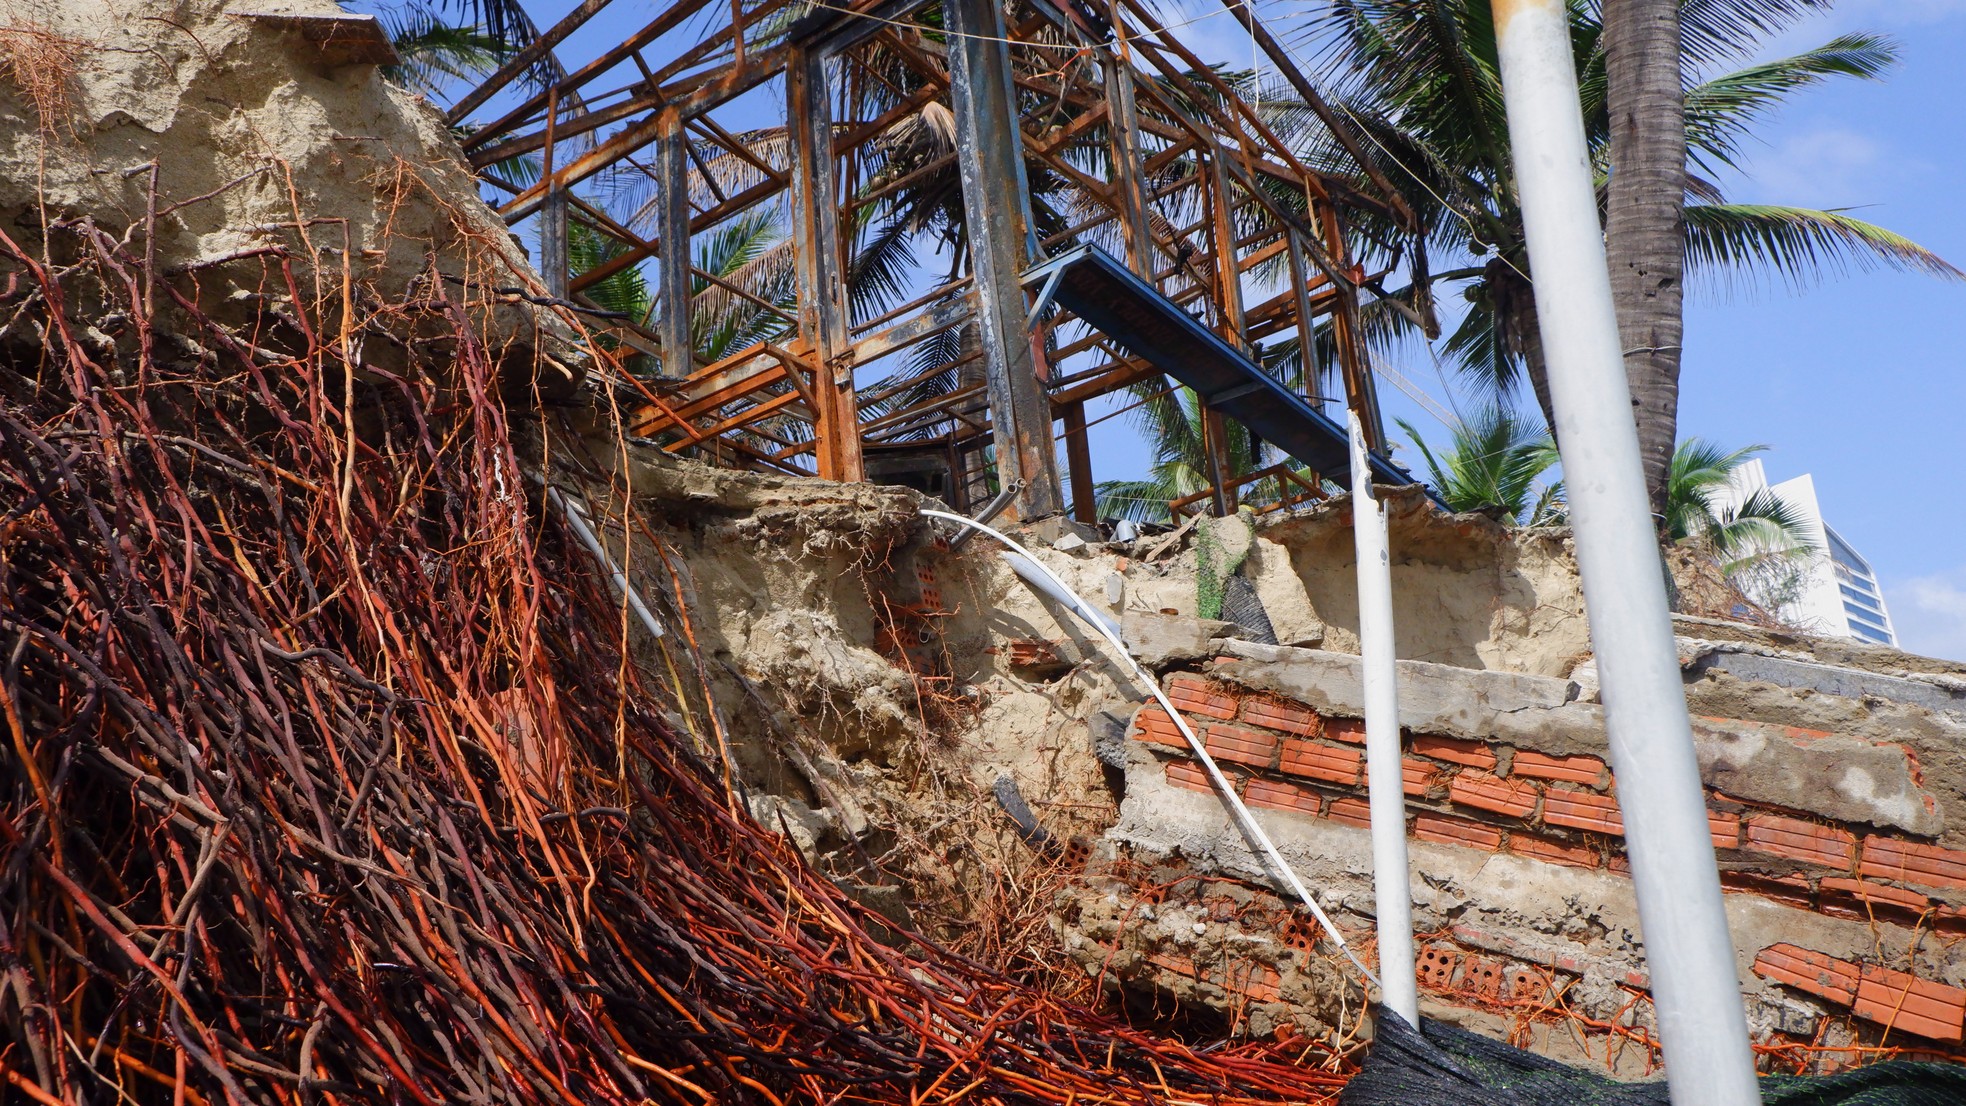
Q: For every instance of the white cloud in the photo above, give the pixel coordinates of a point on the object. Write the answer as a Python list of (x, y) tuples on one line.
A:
[(1929, 613)]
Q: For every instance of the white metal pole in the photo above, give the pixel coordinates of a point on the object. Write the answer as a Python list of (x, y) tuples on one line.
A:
[(1695, 985), (1391, 882)]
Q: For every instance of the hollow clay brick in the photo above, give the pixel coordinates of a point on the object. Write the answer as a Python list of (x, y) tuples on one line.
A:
[(1585, 810), (1799, 840), (1351, 812), (1154, 726), (1234, 743), (1456, 831), (1879, 894), (1552, 852), (1290, 718), (1726, 829), (1182, 773), (1436, 967), (1197, 696), (1912, 862), (1345, 729), (1817, 973), (1330, 763), (1485, 792), (1584, 770), (1911, 1004), (1278, 795), (1472, 754)]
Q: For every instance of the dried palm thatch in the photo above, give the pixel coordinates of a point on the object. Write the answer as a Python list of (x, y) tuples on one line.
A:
[(330, 779)]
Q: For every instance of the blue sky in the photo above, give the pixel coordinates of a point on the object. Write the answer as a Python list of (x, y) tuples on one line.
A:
[(1859, 380)]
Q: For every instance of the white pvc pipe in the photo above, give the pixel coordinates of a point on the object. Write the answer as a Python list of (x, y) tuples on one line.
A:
[(578, 518), (1391, 882), (1243, 818), (1695, 985)]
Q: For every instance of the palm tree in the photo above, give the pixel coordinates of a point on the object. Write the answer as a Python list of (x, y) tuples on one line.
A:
[(1493, 463), (1418, 81), (1171, 419), (1758, 528)]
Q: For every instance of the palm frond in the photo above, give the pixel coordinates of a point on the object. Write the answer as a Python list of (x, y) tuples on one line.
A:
[(1799, 244)]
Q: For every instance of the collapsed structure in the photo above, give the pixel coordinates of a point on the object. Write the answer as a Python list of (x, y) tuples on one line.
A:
[(341, 769)]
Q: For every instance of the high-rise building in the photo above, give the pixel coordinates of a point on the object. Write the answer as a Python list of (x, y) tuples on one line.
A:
[(1834, 592)]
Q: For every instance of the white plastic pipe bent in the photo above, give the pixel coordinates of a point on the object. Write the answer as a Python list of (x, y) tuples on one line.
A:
[(1385, 788), (1695, 990), (577, 517), (1245, 821)]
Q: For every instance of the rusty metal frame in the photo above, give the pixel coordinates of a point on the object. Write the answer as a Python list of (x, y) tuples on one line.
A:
[(1190, 184)]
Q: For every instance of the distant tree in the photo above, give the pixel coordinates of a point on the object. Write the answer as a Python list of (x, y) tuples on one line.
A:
[(1494, 462), (1761, 525), (1171, 421)]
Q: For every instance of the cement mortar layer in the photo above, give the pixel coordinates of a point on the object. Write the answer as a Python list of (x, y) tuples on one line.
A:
[(1865, 761), (285, 150)]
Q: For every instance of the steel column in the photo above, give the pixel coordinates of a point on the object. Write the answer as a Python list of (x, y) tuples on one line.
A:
[(991, 162), (672, 167), (823, 320)]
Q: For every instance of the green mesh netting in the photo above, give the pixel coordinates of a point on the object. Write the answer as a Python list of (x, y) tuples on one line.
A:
[(1439, 1065), (1221, 545)]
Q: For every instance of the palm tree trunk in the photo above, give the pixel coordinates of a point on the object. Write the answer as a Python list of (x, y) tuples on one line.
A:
[(1645, 234)]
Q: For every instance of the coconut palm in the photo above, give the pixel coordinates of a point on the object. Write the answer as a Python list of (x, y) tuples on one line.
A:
[(1418, 81), (1171, 419), (1494, 462), (1759, 527)]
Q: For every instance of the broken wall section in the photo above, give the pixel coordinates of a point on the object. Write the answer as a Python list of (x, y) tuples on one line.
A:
[(1836, 804)]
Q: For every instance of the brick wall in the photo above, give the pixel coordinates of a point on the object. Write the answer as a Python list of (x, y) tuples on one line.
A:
[(1866, 908)]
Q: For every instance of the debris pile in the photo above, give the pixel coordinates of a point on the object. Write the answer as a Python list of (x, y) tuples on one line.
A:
[(331, 775)]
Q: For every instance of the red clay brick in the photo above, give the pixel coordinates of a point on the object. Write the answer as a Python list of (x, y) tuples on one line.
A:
[(1552, 852), (1154, 726), (1278, 795), (1485, 792), (1799, 840), (1584, 770), (1198, 696), (1909, 1003), (1818, 973), (1911, 862), (1789, 890), (1257, 982), (1330, 763), (1185, 773), (1456, 831), (1473, 754), (1176, 965), (1585, 810), (1416, 777), (1252, 747), (1291, 718), (1436, 967), (1726, 829), (1879, 894), (1483, 978), (1350, 811), (1345, 729), (1529, 987)]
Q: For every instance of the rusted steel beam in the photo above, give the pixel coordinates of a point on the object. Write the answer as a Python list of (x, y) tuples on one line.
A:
[(995, 196), (823, 321), (1294, 76), (527, 56), (1078, 461), (1129, 172), (672, 185)]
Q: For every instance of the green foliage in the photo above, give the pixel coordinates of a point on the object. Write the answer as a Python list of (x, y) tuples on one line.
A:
[(1493, 463), (1418, 81)]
